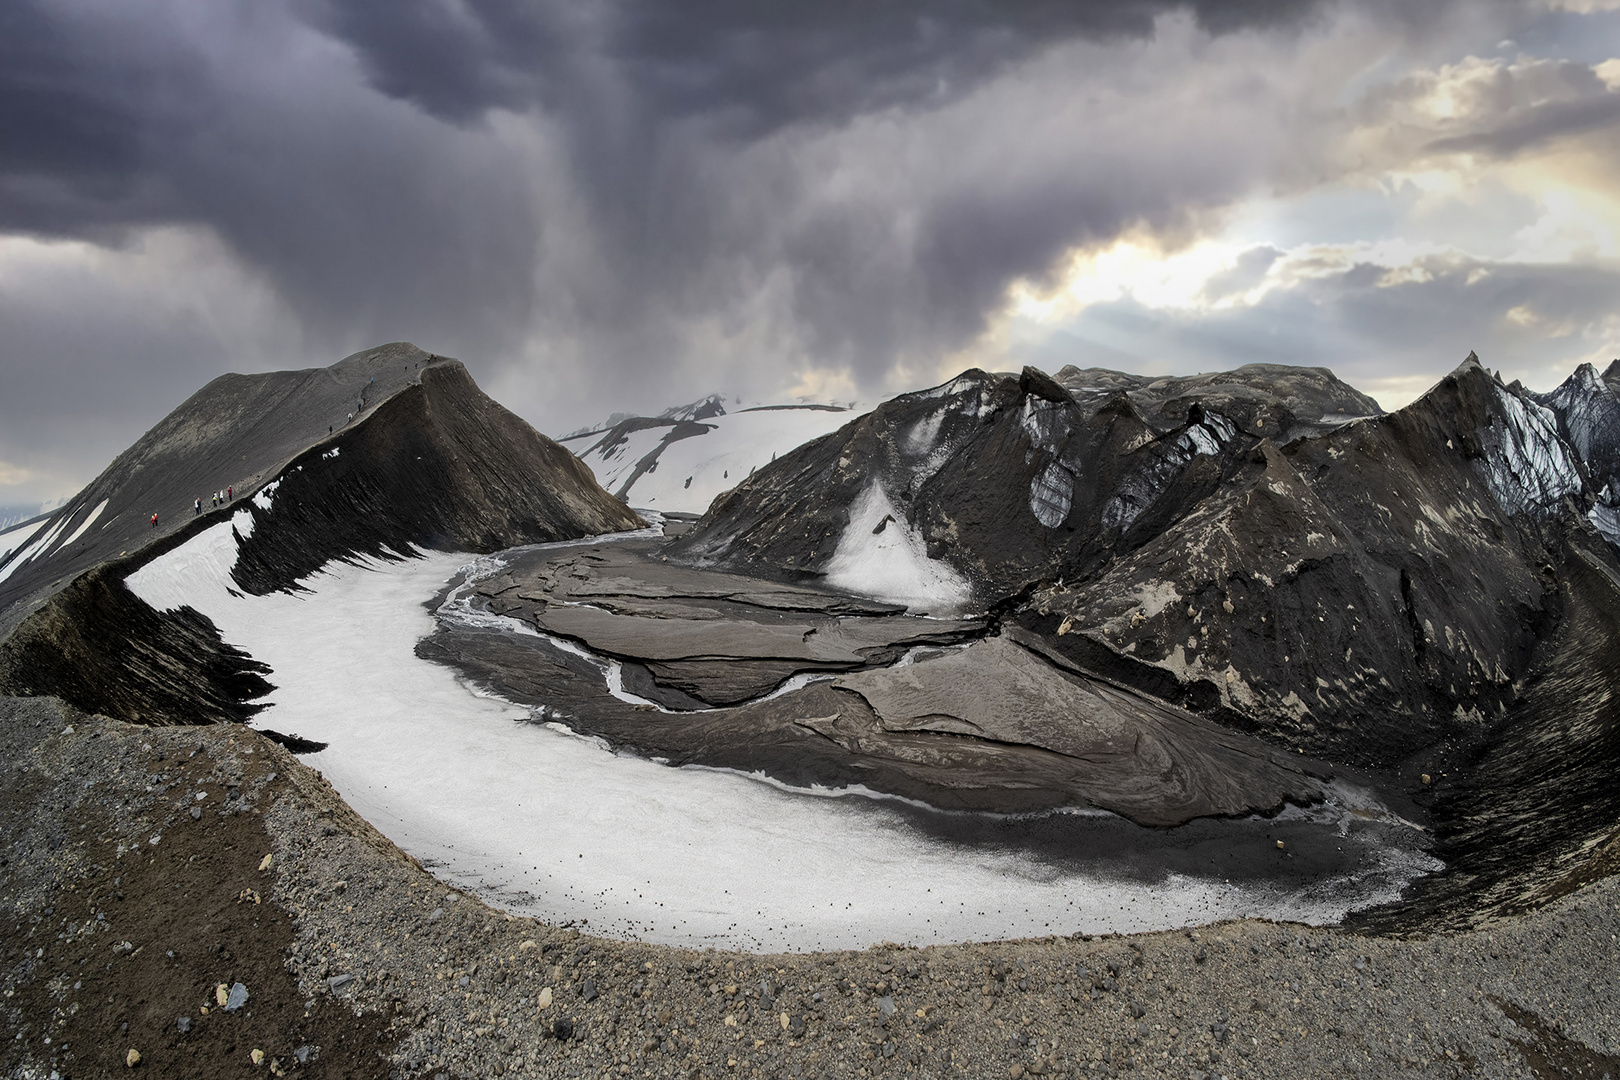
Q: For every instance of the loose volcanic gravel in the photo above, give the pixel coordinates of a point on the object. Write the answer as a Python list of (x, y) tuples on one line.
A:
[(197, 902)]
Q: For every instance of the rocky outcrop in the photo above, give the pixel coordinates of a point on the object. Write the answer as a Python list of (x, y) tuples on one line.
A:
[(997, 481), (1278, 401)]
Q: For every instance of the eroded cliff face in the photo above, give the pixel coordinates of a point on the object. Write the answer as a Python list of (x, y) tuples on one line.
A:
[(1360, 595), (439, 466), (428, 461)]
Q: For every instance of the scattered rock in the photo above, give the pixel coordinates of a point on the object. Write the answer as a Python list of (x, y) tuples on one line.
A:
[(132, 1059), (237, 998), (183, 1025), (256, 1056)]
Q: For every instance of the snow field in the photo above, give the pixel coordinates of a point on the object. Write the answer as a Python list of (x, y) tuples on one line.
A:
[(540, 821)]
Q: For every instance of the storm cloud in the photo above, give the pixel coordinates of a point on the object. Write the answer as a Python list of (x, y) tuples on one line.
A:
[(610, 205)]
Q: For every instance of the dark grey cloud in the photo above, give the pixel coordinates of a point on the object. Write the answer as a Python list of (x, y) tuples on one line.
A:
[(751, 66), (606, 202)]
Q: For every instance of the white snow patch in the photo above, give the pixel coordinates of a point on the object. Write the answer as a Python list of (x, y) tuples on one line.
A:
[(80, 531), (332, 453), (13, 539), (924, 433), (540, 821), (199, 567), (265, 497), (892, 564), (35, 549)]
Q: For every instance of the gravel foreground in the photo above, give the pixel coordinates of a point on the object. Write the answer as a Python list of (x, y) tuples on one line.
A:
[(196, 902)]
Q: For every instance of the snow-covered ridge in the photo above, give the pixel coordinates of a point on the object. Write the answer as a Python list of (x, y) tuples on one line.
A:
[(680, 460)]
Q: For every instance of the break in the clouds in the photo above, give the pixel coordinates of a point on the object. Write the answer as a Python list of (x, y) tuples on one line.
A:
[(607, 205)]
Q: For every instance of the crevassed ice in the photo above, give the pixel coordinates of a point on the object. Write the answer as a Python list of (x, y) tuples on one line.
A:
[(1587, 406), (1050, 494), (891, 563), (1046, 423), (1135, 492), (1526, 466)]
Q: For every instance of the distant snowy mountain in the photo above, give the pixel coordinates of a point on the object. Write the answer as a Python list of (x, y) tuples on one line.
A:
[(679, 460), (13, 514)]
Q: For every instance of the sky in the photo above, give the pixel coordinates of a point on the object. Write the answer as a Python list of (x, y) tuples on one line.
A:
[(616, 205)]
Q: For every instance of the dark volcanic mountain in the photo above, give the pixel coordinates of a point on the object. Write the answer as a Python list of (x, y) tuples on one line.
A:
[(1265, 548), (1014, 480), (414, 456)]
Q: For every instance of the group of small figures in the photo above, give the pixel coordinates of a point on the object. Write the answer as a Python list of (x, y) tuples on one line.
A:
[(218, 499)]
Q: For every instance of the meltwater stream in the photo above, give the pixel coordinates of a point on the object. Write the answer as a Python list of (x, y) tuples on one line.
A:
[(538, 821)]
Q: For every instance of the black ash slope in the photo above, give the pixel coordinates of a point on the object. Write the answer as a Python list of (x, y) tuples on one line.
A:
[(430, 462), (237, 432)]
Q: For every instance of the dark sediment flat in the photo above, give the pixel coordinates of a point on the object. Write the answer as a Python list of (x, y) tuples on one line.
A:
[(950, 713)]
